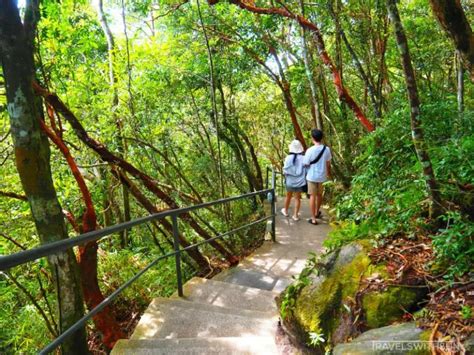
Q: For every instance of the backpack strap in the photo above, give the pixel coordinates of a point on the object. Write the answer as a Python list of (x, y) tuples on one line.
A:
[(315, 160)]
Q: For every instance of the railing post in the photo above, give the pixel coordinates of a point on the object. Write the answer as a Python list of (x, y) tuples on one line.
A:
[(266, 180), (174, 218), (273, 208)]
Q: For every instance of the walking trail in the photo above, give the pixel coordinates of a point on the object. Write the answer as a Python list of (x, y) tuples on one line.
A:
[(235, 312)]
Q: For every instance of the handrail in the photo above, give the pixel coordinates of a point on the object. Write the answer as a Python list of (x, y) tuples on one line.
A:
[(9, 261)]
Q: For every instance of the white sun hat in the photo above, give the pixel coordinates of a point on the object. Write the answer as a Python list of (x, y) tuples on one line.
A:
[(296, 147)]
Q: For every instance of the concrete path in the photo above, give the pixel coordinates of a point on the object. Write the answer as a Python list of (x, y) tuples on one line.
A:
[(235, 312)]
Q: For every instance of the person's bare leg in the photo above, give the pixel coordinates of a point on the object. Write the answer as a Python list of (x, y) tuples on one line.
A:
[(312, 206), (287, 202), (297, 204), (319, 198)]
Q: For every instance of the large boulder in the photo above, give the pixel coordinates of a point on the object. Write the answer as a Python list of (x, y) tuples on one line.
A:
[(405, 338), (320, 308)]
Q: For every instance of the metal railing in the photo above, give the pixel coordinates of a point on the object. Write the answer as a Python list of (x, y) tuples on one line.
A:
[(9, 261), (275, 174)]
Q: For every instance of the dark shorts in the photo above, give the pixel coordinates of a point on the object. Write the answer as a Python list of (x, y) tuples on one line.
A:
[(295, 189)]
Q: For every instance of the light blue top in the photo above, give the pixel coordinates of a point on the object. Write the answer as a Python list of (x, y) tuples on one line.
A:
[(317, 172), (294, 173)]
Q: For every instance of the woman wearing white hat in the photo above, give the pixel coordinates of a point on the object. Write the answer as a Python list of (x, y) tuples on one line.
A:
[(295, 176)]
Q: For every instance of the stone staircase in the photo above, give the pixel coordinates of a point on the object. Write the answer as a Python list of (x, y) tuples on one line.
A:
[(213, 317), (233, 313)]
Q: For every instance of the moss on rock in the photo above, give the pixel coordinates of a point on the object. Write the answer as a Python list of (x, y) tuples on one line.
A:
[(318, 307), (383, 308)]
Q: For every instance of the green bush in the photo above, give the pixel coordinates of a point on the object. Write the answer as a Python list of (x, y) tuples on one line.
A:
[(454, 246), (388, 193)]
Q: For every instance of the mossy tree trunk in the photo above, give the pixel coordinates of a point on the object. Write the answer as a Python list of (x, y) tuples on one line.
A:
[(416, 125), (33, 164)]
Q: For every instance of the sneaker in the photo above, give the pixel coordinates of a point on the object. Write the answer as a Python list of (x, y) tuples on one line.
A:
[(284, 213), (295, 218)]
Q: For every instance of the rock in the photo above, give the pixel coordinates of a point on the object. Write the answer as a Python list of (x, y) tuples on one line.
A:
[(319, 303), (347, 254), (318, 306), (469, 345), (382, 308), (405, 338)]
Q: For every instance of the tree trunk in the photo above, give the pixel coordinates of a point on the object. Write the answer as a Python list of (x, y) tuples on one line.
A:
[(104, 320), (460, 83), (282, 83), (452, 18), (236, 144), (33, 164), (285, 87), (416, 125), (315, 110), (121, 144), (214, 115), (356, 61)]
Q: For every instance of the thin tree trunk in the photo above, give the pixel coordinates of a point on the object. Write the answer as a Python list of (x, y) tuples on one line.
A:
[(121, 144), (356, 61), (315, 109), (416, 125), (280, 81), (286, 91), (212, 91), (460, 81), (33, 164), (236, 144)]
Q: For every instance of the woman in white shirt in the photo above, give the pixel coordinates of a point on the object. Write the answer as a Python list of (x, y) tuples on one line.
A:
[(295, 177)]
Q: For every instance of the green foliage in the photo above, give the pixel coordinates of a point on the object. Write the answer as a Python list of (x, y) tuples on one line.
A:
[(466, 312), (388, 195), (29, 331), (454, 245), (158, 281), (169, 133)]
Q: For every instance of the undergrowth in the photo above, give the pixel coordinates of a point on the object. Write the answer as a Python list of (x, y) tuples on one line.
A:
[(388, 195)]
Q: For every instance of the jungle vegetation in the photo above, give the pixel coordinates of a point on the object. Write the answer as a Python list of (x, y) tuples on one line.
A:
[(111, 110)]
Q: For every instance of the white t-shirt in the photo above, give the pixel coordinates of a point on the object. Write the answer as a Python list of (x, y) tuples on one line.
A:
[(317, 172)]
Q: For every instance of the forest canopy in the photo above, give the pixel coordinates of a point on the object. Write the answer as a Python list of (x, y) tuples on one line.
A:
[(112, 110)]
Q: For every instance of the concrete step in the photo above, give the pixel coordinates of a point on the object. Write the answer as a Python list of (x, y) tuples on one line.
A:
[(198, 346), (179, 302), (176, 320), (229, 295), (253, 278)]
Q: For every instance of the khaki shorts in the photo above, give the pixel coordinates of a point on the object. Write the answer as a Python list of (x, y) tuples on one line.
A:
[(315, 187)]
